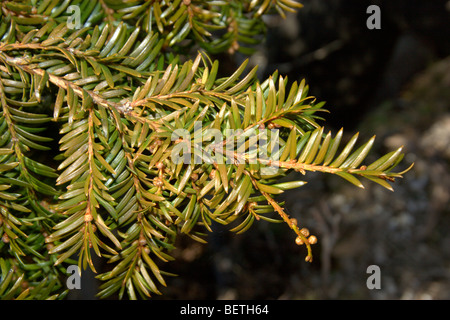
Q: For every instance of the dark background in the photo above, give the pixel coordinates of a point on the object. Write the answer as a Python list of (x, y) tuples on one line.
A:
[(393, 82)]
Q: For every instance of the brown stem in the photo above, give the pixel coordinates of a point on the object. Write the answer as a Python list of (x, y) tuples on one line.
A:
[(62, 83), (285, 217)]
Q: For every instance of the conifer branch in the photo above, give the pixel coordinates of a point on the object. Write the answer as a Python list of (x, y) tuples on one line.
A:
[(120, 88)]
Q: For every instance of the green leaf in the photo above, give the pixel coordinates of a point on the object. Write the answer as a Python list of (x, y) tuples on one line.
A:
[(345, 152), (289, 185), (350, 178), (269, 188), (230, 80), (108, 76)]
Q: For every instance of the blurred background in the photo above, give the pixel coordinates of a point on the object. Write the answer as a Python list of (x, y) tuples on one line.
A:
[(393, 82)]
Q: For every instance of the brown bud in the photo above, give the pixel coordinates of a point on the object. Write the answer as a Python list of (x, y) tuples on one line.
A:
[(298, 241), (158, 182), (305, 232), (294, 221), (5, 238), (312, 240), (88, 217), (160, 165), (25, 285)]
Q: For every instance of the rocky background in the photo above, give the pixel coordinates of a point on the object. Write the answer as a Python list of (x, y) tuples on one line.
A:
[(393, 82)]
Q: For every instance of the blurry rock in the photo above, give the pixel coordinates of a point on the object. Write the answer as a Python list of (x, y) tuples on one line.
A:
[(436, 140)]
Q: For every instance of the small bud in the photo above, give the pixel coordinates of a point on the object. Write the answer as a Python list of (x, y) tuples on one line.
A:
[(294, 221), (25, 285), (194, 177), (160, 165), (5, 238), (158, 182), (88, 217), (312, 240), (298, 241), (305, 232)]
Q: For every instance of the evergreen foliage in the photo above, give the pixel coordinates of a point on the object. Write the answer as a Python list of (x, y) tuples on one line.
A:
[(89, 109)]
